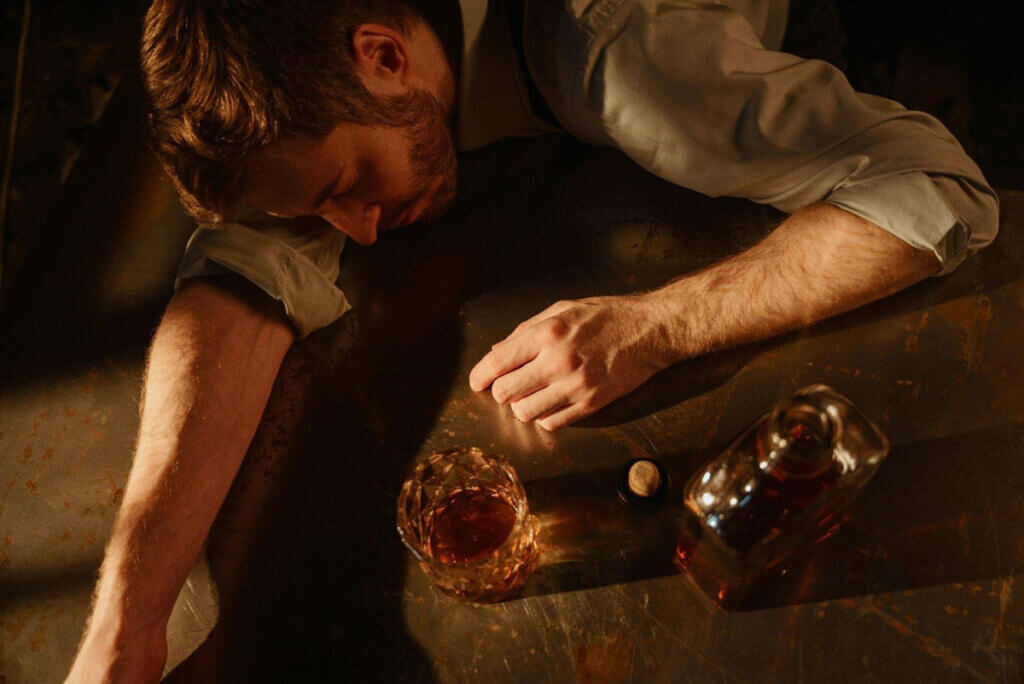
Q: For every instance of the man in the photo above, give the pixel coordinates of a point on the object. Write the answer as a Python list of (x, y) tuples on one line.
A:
[(289, 126)]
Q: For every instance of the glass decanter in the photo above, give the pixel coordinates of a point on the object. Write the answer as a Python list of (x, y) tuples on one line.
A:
[(784, 483)]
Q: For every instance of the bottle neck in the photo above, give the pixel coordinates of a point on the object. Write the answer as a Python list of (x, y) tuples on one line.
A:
[(797, 442)]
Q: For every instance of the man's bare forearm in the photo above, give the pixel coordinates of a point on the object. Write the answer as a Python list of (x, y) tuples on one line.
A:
[(819, 262), (212, 364), (577, 356)]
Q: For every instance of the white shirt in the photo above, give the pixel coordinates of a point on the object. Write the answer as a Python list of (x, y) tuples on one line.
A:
[(695, 92)]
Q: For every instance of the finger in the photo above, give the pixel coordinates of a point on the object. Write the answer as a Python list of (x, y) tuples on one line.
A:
[(552, 310), (539, 403), (504, 357), (561, 417), (518, 383)]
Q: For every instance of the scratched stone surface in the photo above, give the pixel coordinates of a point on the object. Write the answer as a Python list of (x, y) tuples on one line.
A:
[(921, 583)]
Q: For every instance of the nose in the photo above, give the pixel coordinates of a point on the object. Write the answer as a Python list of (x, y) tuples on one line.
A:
[(359, 222)]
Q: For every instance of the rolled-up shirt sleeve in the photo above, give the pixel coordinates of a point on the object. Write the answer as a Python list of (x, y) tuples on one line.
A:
[(689, 92), (295, 261)]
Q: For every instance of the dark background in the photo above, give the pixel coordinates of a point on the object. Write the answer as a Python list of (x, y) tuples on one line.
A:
[(960, 61)]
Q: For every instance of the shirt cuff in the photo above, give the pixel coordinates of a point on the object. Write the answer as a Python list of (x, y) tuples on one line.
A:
[(910, 207), (311, 299)]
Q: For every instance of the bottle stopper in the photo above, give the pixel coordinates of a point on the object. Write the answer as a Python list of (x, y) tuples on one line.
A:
[(642, 480)]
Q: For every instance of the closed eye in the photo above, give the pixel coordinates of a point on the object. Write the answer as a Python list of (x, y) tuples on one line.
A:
[(331, 191), (341, 194)]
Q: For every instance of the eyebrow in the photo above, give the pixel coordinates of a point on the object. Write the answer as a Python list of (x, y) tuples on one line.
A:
[(322, 196)]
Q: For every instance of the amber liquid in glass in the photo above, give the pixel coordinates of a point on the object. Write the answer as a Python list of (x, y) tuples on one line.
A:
[(468, 525)]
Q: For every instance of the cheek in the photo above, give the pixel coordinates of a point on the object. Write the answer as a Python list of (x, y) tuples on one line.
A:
[(391, 170), (280, 190)]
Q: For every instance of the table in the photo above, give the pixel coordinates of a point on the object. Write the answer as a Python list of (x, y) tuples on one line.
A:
[(313, 583)]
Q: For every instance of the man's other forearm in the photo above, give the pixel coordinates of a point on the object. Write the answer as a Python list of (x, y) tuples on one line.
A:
[(212, 364), (819, 262)]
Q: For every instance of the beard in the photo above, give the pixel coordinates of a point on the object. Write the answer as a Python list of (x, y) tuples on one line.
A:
[(431, 157)]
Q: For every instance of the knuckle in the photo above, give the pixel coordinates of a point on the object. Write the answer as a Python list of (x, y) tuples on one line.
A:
[(557, 329), (561, 364)]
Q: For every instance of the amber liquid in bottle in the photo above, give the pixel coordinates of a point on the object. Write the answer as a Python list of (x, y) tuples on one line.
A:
[(719, 554), (783, 495), (469, 525)]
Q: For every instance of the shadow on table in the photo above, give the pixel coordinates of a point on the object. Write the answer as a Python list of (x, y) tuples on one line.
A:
[(40, 583), (938, 512), (591, 538), (675, 385), (305, 550), (942, 511)]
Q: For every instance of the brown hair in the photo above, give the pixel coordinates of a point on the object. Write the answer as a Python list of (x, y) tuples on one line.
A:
[(226, 77)]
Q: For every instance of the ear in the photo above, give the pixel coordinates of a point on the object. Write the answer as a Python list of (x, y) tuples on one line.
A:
[(381, 59)]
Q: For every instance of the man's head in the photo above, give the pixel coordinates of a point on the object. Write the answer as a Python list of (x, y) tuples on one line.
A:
[(336, 108)]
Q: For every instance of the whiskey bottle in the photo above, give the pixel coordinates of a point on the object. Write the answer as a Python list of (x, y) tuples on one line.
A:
[(785, 482)]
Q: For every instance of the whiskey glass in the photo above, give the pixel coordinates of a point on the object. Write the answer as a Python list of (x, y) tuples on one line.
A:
[(463, 514)]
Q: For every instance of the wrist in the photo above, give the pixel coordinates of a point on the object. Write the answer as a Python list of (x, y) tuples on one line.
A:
[(670, 336), (117, 656), (117, 627), (125, 606)]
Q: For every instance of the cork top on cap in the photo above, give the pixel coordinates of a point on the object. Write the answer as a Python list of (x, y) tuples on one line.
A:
[(642, 480)]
